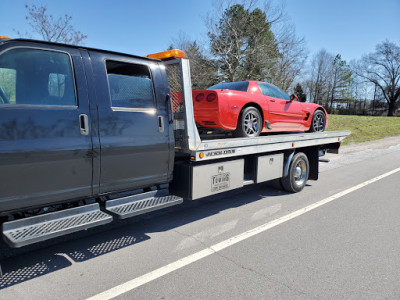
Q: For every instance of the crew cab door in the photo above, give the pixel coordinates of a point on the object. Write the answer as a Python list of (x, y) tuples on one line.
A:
[(135, 139), (45, 139)]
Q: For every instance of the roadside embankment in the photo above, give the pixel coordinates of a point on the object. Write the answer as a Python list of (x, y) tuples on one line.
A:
[(365, 128)]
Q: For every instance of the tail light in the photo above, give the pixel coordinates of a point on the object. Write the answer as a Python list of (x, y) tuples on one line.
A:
[(211, 97), (199, 97)]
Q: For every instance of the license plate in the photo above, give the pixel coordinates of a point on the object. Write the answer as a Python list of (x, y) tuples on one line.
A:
[(220, 182)]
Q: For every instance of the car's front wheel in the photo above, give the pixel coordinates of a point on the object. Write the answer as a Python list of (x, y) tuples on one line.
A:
[(318, 122), (249, 123)]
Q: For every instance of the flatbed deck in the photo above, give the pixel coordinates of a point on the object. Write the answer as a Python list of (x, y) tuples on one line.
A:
[(231, 147)]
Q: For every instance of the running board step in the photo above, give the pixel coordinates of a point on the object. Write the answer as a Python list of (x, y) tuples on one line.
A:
[(139, 204), (31, 230)]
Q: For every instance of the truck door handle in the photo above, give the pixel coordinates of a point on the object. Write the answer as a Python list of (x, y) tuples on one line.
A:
[(161, 124), (169, 108), (272, 100), (84, 124)]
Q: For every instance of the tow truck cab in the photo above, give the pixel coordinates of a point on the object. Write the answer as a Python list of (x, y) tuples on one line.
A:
[(76, 123)]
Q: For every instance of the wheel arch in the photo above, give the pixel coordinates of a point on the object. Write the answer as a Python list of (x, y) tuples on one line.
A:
[(312, 154), (255, 105), (325, 112)]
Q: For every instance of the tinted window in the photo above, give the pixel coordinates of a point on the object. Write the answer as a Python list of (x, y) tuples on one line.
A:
[(272, 91), (235, 86), (8, 84), (37, 77), (130, 85)]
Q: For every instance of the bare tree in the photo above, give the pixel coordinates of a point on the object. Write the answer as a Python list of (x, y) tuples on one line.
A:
[(341, 79), (290, 62), (382, 68), (58, 30), (319, 79), (330, 78), (202, 69)]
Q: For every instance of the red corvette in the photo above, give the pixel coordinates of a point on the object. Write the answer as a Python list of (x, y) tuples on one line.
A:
[(249, 108)]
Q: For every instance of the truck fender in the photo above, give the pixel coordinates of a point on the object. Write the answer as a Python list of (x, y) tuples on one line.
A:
[(287, 164)]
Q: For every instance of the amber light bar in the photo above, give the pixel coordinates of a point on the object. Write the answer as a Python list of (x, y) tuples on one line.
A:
[(174, 53)]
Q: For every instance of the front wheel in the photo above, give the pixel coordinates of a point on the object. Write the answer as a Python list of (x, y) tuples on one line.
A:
[(249, 123), (297, 176), (318, 121)]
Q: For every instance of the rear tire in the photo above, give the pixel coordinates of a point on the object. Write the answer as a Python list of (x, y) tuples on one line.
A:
[(297, 176), (249, 123)]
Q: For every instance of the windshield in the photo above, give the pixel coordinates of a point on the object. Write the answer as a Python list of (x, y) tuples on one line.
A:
[(236, 86)]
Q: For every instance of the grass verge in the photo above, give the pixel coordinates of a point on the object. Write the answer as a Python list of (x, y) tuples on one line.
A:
[(365, 128)]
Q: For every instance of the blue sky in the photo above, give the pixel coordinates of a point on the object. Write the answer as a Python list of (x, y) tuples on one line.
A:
[(347, 27)]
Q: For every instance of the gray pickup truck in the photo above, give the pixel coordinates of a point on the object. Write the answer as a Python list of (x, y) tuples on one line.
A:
[(89, 135)]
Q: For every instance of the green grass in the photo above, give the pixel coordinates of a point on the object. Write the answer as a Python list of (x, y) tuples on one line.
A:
[(364, 128)]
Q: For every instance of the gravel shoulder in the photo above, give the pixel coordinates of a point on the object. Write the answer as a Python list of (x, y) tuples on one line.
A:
[(357, 152), (384, 143)]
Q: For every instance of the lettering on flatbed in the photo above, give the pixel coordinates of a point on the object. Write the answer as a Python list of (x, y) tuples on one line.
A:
[(220, 182), (220, 152)]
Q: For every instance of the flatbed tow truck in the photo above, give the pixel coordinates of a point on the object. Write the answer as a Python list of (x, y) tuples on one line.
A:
[(196, 167)]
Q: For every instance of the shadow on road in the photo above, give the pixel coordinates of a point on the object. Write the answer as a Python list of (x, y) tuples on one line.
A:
[(43, 261), (36, 260)]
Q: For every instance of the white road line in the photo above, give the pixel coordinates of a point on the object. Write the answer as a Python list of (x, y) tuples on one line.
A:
[(146, 278)]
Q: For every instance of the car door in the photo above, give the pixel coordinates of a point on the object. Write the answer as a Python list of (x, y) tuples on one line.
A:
[(44, 149), (284, 114), (136, 143)]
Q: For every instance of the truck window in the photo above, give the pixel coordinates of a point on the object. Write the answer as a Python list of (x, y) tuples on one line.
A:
[(36, 77), (7, 85), (130, 85)]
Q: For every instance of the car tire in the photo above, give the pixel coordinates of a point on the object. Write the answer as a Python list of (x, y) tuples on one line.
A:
[(318, 121), (298, 172), (249, 123)]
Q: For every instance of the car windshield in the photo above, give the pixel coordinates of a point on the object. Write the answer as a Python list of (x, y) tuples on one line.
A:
[(236, 86)]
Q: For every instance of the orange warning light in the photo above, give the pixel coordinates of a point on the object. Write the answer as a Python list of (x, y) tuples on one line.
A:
[(175, 53)]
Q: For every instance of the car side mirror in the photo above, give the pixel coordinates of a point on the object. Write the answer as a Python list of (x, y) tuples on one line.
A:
[(293, 97)]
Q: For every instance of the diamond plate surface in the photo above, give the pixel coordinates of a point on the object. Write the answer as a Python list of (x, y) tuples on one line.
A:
[(30, 230), (133, 206), (175, 86)]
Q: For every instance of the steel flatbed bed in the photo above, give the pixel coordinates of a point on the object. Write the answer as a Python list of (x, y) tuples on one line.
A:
[(232, 147)]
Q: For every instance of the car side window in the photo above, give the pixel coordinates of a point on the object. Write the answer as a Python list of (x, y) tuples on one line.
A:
[(36, 77), (272, 91), (267, 90), (282, 94), (130, 85)]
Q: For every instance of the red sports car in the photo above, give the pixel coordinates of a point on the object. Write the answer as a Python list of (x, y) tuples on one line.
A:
[(249, 108)]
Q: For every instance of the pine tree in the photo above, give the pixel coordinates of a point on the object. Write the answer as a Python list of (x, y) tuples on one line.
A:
[(298, 90)]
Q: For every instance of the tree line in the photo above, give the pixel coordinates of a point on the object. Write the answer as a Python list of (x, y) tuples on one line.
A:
[(252, 40)]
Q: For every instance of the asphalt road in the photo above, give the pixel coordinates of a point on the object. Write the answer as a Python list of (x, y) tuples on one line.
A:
[(338, 238)]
